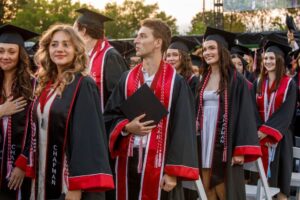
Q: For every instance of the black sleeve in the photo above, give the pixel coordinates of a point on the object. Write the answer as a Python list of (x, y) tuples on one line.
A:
[(115, 66), (245, 140), (115, 120), (87, 151), (181, 158)]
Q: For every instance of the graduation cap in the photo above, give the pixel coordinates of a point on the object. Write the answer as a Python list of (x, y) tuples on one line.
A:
[(92, 17), (241, 50), (277, 47), (15, 35), (143, 101), (196, 60), (227, 39), (289, 21), (182, 44), (295, 54)]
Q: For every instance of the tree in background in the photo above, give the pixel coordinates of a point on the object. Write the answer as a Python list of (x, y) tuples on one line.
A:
[(252, 20), (8, 9), (38, 15), (128, 15), (232, 22)]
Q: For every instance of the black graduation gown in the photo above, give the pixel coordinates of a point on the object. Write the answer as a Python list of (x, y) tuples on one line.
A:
[(249, 76), (181, 142), (114, 66), (193, 83), (75, 129), (296, 124), (242, 137), (281, 121), (19, 125)]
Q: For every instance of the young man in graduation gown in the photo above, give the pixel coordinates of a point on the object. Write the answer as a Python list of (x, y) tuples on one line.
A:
[(106, 64), (153, 159)]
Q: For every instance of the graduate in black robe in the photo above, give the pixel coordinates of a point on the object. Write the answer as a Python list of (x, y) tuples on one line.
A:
[(152, 163), (69, 145), (106, 65), (276, 103), (296, 77), (178, 56), (235, 140), (15, 99), (243, 52)]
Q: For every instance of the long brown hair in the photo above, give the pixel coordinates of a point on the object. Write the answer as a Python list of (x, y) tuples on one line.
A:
[(185, 64), (224, 63), (23, 84), (279, 72), (48, 70)]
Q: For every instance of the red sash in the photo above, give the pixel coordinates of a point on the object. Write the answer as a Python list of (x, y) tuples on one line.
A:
[(267, 104), (153, 163), (97, 66)]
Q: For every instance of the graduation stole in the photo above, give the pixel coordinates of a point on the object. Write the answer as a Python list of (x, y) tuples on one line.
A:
[(97, 66), (57, 134), (153, 161), (12, 142), (267, 104), (220, 145)]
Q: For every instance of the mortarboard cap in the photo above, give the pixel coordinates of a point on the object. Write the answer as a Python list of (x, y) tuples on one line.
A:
[(196, 60), (227, 39), (15, 35), (241, 50), (295, 54), (277, 48), (143, 101), (92, 17), (289, 21), (183, 44)]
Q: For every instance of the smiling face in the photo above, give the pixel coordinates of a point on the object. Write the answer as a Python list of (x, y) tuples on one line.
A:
[(9, 56), (269, 61), (61, 49), (146, 43), (210, 52), (173, 57)]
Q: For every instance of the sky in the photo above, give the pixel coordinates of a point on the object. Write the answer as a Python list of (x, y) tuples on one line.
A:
[(183, 11)]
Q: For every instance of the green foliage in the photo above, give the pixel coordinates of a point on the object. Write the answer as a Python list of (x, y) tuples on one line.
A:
[(38, 15), (8, 9), (128, 15), (232, 22)]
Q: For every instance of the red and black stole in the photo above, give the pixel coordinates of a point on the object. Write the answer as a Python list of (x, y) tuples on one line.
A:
[(220, 141), (96, 66), (12, 144), (153, 161), (267, 103)]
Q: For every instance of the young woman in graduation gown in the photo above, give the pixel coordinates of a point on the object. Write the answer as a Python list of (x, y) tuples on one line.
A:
[(226, 130), (240, 65), (16, 95), (69, 145), (177, 55), (276, 101)]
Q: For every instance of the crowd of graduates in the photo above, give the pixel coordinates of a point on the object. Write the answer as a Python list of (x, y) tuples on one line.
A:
[(80, 121)]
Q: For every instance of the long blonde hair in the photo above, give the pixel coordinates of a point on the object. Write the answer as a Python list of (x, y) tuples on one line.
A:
[(48, 70)]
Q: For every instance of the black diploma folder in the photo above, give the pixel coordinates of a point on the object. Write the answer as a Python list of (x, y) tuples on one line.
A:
[(143, 101)]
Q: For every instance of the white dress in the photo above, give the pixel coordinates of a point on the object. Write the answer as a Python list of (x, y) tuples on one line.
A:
[(210, 115)]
